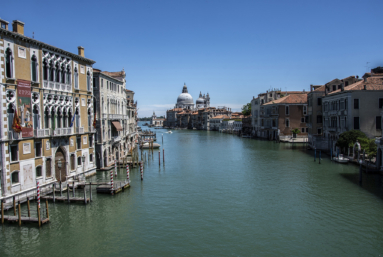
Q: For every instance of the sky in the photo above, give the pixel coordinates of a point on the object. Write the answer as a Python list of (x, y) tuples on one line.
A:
[(233, 50)]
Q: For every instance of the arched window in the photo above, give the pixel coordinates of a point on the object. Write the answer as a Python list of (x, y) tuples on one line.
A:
[(53, 125), (89, 118), (38, 172), (77, 115), (63, 73), (70, 118), (8, 63), (68, 77), (15, 177), (34, 68), (45, 69), (11, 113), (88, 81), (46, 117), (57, 75), (48, 168), (75, 78), (36, 116), (79, 161), (51, 71)]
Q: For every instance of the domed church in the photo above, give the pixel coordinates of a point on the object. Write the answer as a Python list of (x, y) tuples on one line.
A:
[(185, 100)]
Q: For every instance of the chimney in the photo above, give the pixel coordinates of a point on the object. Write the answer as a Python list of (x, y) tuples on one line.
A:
[(311, 87), (18, 27), (4, 24), (81, 51)]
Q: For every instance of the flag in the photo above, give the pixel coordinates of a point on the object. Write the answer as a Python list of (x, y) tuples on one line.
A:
[(94, 121), (16, 123), (71, 123)]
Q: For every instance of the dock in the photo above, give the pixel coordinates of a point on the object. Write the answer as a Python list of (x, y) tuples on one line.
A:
[(65, 199), (119, 186), (14, 219)]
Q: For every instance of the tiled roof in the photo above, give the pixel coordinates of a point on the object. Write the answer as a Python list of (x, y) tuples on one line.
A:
[(319, 88), (114, 74), (290, 99), (372, 83), (221, 117)]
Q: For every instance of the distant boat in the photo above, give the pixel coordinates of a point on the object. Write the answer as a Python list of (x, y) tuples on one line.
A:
[(169, 132), (341, 159), (146, 146)]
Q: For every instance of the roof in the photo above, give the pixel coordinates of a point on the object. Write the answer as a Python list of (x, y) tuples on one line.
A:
[(221, 117), (115, 73), (290, 99), (371, 83), (45, 45)]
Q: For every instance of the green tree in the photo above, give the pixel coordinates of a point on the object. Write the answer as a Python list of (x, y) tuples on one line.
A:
[(369, 146), (296, 131), (246, 109), (348, 138)]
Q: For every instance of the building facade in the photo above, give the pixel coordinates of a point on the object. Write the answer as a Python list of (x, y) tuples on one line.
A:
[(116, 117), (49, 93)]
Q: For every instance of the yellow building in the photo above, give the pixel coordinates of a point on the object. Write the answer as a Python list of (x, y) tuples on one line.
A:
[(51, 92)]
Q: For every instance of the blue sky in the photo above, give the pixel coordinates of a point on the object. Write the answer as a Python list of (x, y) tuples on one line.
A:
[(232, 49)]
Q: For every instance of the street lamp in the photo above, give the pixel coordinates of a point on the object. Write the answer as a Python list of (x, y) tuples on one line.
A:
[(83, 162), (59, 165)]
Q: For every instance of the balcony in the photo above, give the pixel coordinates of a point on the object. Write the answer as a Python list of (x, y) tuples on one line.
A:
[(42, 132), (80, 130), (14, 136), (115, 116), (57, 86), (116, 139), (91, 129), (62, 132), (51, 85), (105, 116), (45, 84)]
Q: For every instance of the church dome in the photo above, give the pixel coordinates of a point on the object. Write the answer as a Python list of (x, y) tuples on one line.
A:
[(200, 101), (185, 98)]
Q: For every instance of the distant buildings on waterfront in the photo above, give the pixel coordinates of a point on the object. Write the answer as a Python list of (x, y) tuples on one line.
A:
[(60, 117)]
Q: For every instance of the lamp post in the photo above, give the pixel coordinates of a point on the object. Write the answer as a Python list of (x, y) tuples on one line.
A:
[(83, 163), (59, 165)]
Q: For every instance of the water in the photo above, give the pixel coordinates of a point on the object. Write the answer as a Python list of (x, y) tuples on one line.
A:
[(218, 195)]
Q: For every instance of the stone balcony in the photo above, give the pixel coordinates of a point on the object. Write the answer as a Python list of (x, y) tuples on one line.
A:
[(42, 132), (63, 131), (80, 130), (57, 86), (116, 139)]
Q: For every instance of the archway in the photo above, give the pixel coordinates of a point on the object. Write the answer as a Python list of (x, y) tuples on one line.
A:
[(60, 174)]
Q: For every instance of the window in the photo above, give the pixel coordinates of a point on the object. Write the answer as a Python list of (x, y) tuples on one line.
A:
[(34, 68), (107, 84), (333, 87), (75, 78), (380, 103), (302, 120), (287, 110), (48, 168), (79, 161), (14, 153), (91, 158), (102, 83), (287, 123), (3, 25), (82, 69), (90, 141), (319, 101), (303, 130), (85, 140), (78, 142), (22, 52), (94, 82), (15, 177), (356, 103), (8, 63), (319, 131), (339, 86), (88, 81), (378, 122), (38, 172), (38, 149), (319, 119), (356, 122)]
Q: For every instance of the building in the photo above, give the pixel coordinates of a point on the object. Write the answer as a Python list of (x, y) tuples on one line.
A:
[(157, 122), (355, 106), (203, 101), (49, 93), (280, 117), (116, 117), (215, 122), (185, 100)]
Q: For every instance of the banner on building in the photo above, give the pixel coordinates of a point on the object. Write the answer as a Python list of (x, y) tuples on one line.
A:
[(24, 107)]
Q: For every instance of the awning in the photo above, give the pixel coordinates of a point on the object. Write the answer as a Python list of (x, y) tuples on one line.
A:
[(117, 125)]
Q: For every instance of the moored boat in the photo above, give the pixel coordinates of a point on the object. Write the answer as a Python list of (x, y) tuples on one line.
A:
[(341, 159)]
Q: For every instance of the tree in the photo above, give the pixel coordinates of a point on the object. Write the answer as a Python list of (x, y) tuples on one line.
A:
[(348, 138), (246, 109), (369, 146), (296, 131)]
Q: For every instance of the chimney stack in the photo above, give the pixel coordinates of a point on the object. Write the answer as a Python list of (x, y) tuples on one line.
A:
[(81, 51), (18, 27), (4, 24)]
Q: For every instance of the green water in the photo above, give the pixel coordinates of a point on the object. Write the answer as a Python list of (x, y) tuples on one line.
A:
[(217, 195)]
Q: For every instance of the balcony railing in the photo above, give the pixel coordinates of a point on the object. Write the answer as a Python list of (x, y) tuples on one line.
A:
[(115, 116), (42, 132), (91, 129), (51, 85), (104, 115), (116, 139), (80, 130), (57, 86), (45, 84), (12, 135)]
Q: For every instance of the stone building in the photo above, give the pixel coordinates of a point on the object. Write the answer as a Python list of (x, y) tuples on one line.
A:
[(116, 117), (355, 106), (50, 92), (157, 122), (281, 116)]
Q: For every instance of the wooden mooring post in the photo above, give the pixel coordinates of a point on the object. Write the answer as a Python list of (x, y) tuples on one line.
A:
[(29, 207), (19, 205), (90, 191), (54, 192), (46, 207), (73, 193), (14, 206)]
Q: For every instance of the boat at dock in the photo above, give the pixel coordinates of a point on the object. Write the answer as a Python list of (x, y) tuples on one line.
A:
[(146, 146), (341, 159)]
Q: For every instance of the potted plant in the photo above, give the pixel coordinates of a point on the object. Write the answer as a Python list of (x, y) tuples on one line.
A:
[(295, 132)]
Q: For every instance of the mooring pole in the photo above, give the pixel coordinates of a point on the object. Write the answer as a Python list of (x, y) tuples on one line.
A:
[(19, 205), (38, 204), (61, 189), (85, 193), (72, 187), (46, 207), (115, 167), (14, 206), (320, 155), (331, 153), (163, 155), (29, 207), (127, 173), (159, 157), (315, 154), (67, 192), (141, 171), (111, 180), (90, 190), (54, 192), (2, 211)]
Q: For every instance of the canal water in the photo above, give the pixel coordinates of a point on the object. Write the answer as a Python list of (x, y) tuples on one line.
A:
[(217, 195)]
